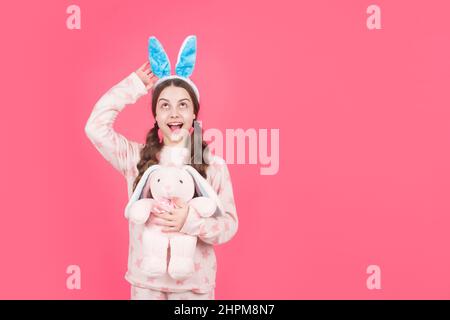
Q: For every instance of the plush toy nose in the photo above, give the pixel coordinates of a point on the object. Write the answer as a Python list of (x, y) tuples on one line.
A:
[(167, 188)]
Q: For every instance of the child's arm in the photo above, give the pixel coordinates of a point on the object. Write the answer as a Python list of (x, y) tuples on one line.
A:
[(115, 148), (220, 229)]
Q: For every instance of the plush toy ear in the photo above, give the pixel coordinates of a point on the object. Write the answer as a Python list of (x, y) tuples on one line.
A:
[(146, 191), (158, 58), (186, 57), (137, 193), (204, 189)]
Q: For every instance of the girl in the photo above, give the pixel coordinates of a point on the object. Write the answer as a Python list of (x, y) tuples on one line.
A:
[(174, 106)]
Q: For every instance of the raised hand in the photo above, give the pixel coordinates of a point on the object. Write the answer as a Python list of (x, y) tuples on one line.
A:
[(146, 75)]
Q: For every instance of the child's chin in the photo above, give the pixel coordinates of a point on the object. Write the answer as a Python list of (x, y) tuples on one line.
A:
[(179, 134)]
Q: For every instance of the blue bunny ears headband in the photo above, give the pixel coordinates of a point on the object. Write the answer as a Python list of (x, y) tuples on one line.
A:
[(160, 64)]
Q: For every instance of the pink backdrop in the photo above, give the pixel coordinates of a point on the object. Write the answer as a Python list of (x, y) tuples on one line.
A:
[(364, 143)]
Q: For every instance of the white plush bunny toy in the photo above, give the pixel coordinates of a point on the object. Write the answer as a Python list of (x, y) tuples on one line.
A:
[(170, 178)]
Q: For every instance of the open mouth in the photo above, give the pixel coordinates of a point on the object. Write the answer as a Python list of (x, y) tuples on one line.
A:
[(175, 126)]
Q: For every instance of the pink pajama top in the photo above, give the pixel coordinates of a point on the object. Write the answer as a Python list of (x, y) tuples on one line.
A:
[(124, 155)]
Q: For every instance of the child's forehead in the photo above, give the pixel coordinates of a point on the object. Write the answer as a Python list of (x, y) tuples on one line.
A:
[(174, 94)]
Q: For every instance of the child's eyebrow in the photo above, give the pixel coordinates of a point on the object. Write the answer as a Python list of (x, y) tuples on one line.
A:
[(178, 100)]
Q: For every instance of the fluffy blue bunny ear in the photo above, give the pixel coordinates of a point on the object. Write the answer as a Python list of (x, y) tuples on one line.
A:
[(158, 58), (186, 57)]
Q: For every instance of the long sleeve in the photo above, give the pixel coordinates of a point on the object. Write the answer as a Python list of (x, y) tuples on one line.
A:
[(216, 229), (115, 148)]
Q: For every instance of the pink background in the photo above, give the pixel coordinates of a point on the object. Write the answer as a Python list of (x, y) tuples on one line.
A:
[(364, 143)]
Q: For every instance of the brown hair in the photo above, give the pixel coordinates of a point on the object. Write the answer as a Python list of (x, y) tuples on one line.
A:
[(152, 144)]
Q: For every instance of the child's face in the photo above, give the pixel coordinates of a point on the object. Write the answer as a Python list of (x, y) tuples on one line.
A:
[(174, 110)]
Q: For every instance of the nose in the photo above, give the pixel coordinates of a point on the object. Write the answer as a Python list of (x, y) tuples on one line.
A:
[(174, 113), (167, 188)]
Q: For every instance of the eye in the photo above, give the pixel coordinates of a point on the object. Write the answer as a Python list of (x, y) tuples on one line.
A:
[(165, 106), (184, 105), (159, 180), (181, 181)]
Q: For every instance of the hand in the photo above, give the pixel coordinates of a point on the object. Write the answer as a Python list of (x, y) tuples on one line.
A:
[(146, 75), (174, 219)]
